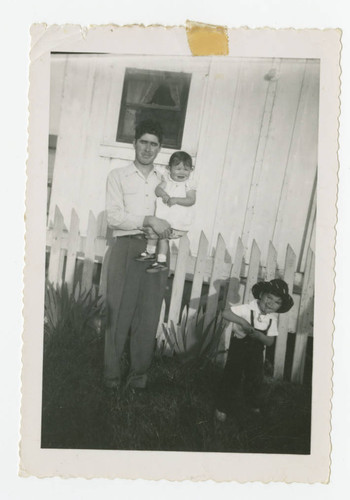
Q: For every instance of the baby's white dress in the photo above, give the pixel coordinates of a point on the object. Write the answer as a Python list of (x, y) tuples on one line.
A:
[(179, 217)]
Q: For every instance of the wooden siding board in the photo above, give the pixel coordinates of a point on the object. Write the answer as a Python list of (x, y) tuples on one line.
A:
[(309, 233), (211, 152), (297, 187), (69, 164), (240, 150), (271, 86), (273, 162)]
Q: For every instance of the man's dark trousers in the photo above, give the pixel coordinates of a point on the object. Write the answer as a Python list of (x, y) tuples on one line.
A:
[(134, 300)]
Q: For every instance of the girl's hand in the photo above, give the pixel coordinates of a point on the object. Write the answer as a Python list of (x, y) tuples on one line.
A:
[(171, 202), (254, 334), (247, 327)]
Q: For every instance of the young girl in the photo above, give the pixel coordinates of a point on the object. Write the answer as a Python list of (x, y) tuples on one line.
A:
[(254, 327), (176, 197)]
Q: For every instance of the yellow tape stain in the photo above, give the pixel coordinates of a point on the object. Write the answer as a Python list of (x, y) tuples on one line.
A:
[(207, 39)]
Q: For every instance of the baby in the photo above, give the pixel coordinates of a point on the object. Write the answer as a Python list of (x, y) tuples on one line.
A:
[(176, 195)]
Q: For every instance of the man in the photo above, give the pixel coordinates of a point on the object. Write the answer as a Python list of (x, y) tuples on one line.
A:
[(134, 297)]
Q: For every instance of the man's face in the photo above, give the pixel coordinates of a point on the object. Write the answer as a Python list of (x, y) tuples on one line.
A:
[(146, 149)]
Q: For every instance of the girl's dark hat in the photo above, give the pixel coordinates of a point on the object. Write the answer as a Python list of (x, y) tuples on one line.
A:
[(276, 287)]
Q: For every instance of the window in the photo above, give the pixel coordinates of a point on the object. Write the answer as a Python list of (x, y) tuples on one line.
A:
[(157, 95)]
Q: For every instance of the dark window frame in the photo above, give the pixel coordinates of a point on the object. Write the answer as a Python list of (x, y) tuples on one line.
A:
[(176, 113)]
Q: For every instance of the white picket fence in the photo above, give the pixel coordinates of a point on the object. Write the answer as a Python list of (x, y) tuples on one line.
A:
[(233, 276)]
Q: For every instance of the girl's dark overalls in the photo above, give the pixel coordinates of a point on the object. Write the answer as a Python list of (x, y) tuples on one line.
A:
[(245, 357)]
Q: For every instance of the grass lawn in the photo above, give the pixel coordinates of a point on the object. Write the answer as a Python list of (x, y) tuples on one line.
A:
[(175, 412)]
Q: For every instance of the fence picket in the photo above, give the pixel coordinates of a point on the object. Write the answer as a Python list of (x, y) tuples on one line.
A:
[(253, 271), (56, 264), (160, 337), (304, 321), (104, 273), (161, 320), (179, 281), (271, 263), (235, 274), (196, 290), (72, 248), (232, 297), (283, 320), (193, 321), (215, 282), (89, 259)]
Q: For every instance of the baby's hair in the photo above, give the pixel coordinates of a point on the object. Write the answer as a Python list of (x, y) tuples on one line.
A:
[(180, 157)]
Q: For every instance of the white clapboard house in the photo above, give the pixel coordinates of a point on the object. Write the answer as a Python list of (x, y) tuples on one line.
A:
[(251, 127)]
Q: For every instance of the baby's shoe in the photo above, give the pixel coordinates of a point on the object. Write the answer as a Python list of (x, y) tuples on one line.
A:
[(146, 257), (157, 267)]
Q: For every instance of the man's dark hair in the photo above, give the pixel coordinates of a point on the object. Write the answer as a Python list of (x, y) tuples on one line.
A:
[(149, 127)]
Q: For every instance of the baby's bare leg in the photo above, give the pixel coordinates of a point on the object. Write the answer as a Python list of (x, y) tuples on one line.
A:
[(151, 245), (163, 246)]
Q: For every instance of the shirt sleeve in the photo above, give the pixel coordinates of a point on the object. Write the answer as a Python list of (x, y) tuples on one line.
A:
[(162, 182), (241, 310), (191, 184), (117, 217)]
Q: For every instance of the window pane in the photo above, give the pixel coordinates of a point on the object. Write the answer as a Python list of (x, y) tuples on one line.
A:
[(157, 95)]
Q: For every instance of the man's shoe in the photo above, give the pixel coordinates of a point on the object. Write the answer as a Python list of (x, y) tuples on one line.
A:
[(146, 257), (157, 267)]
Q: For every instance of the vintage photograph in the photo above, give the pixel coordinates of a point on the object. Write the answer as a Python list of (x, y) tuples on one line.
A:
[(180, 253), (179, 277)]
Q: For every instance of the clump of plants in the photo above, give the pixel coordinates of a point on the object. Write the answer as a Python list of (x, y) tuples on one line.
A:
[(74, 315), (73, 346), (192, 346)]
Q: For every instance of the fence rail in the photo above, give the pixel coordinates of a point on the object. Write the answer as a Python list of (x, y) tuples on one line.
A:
[(228, 280)]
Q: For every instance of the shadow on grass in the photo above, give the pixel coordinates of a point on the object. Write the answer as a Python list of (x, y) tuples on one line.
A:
[(175, 412)]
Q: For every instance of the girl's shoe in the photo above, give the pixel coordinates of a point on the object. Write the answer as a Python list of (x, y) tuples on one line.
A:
[(220, 416), (146, 257), (157, 267)]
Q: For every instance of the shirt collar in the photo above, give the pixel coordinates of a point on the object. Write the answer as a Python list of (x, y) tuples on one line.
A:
[(254, 306), (134, 170)]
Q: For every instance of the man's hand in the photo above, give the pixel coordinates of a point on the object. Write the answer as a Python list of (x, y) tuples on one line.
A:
[(159, 226), (149, 233)]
